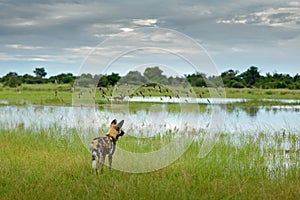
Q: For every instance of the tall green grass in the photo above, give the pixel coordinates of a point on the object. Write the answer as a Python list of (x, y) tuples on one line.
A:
[(47, 165)]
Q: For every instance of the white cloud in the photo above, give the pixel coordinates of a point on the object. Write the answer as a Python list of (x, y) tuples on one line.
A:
[(294, 3), (38, 59), (20, 46), (145, 22), (6, 57), (81, 50), (276, 17), (60, 58), (19, 57), (195, 10), (94, 51), (105, 35), (126, 29), (25, 23), (238, 49)]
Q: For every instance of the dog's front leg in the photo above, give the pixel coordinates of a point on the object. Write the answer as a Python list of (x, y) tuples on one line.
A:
[(110, 160)]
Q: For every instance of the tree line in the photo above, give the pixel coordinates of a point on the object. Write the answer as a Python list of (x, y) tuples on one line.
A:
[(230, 78), (252, 78)]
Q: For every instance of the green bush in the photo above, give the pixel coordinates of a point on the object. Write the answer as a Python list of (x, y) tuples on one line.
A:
[(236, 84), (269, 92), (14, 81)]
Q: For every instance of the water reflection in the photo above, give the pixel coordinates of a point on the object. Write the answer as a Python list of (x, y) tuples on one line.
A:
[(239, 119), (251, 111)]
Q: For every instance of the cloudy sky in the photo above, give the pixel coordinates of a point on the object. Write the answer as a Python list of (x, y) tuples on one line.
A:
[(235, 34)]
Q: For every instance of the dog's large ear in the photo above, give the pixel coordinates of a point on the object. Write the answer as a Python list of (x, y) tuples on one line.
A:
[(114, 122), (120, 124)]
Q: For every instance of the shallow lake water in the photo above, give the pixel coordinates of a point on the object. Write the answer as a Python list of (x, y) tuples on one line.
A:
[(237, 119), (160, 117), (166, 99)]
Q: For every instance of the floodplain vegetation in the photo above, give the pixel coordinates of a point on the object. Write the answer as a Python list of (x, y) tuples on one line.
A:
[(63, 94), (45, 164)]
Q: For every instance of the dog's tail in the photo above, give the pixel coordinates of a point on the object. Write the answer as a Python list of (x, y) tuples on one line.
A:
[(94, 153)]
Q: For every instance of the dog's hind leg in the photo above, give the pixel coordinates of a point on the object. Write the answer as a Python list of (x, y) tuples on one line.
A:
[(101, 161)]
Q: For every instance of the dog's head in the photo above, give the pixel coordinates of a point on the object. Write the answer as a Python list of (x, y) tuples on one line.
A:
[(115, 130)]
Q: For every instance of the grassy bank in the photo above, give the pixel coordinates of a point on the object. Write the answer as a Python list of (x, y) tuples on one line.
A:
[(39, 94), (45, 165), (254, 93), (51, 94)]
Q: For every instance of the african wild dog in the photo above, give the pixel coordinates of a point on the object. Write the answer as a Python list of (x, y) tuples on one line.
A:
[(102, 146)]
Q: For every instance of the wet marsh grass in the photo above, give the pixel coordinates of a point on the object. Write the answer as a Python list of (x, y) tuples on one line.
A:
[(46, 165)]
